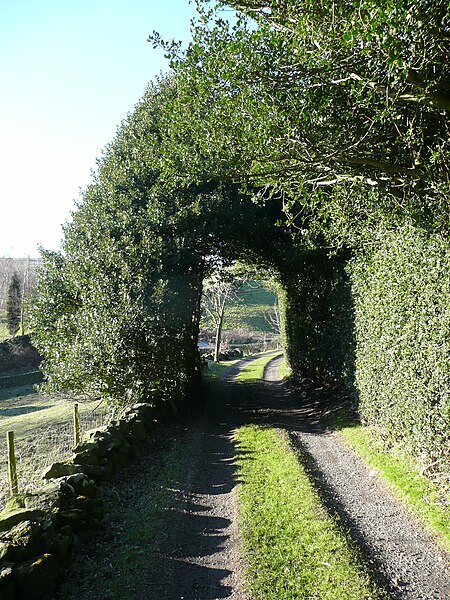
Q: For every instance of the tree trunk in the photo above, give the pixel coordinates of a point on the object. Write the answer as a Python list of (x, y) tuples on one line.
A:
[(219, 334)]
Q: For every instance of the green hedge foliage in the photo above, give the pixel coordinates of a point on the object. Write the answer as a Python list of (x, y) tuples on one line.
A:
[(401, 292), (318, 317)]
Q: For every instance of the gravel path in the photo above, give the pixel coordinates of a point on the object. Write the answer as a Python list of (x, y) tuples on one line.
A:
[(272, 369), (197, 553), (200, 558), (405, 559)]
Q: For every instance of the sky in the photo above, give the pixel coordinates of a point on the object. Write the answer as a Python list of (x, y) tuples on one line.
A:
[(70, 71)]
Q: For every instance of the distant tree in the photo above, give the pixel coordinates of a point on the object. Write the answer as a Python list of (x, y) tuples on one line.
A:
[(25, 294), (28, 271), (273, 318), (219, 291), (6, 266), (14, 304)]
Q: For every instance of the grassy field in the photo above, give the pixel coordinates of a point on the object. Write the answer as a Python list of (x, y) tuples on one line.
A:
[(249, 313), (42, 426)]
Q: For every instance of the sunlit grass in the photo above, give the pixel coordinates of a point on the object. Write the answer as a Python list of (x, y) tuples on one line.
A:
[(292, 548), (285, 370), (43, 430), (214, 370), (254, 370), (250, 313)]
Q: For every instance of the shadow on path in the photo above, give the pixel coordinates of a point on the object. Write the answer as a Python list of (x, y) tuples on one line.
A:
[(199, 556), (196, 555)]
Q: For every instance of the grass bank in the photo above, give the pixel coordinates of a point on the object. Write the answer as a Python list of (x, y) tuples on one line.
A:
[(122, 561), (213, 370), (292, 548), (144, 521), (285, 370)]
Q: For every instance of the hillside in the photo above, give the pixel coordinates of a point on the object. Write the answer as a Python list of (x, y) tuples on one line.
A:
[(249, 320), (250, 312)]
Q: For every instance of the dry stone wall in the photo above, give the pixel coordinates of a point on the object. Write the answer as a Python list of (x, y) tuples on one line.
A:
[(39, 531)]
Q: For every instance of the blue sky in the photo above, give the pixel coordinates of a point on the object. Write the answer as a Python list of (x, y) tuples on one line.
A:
[(70, 71)]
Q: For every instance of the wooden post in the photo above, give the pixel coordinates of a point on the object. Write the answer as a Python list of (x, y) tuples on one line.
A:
[(12, 467), (76, 425)]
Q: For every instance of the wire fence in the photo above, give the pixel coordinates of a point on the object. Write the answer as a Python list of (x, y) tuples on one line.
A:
[(37, 448)]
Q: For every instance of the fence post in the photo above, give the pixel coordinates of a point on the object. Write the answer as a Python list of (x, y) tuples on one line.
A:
[(76, 425), (12, 466)]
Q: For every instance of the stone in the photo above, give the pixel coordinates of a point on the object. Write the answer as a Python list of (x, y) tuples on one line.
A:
[(138, 430), (75, 518), (4, 549), (82, 485), (47, 499), (14, 502), (92, 434), (147, 412), (12, 518), (97, 472), (36, 578), (66, 542), (60, 469), (126, 423), (87, 457), (92, 507), (100, 442), (143, 408), (21, 542), (5, 569)]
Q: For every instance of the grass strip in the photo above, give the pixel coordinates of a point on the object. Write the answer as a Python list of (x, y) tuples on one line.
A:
[(124, 561), (292, 548), (214, 370), (414, 489), (285, 370), (255, 369)]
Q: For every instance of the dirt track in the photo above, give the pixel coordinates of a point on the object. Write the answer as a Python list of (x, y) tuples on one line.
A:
[(197, 556)]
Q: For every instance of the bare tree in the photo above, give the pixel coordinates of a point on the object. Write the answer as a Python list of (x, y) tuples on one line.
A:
[(273, 318), (219, 291), (6, 270)]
